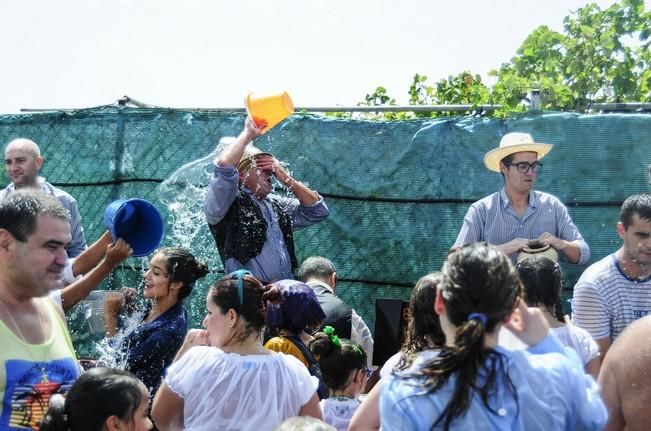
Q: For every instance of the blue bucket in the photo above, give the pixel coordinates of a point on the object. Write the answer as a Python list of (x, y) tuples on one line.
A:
[(136, 221)]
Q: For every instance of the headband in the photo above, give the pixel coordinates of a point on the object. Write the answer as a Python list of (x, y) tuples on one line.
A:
[(239, 276)]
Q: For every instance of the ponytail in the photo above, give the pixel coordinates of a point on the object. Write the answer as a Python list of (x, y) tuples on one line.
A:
[(479, 290), (464, 359)]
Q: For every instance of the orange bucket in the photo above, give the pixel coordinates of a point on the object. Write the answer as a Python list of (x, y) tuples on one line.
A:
[(269, 109)]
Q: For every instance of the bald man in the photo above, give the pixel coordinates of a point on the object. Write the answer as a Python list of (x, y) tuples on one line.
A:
[(625, 379), (23, 162)]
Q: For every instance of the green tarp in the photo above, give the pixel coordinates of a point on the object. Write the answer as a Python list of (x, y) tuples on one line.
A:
[(397, 191)]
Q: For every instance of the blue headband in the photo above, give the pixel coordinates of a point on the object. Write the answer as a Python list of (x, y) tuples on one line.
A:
[(239, 275), (478, 316)]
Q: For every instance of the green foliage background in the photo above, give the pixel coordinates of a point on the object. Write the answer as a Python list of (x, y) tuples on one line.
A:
[(601, 56)]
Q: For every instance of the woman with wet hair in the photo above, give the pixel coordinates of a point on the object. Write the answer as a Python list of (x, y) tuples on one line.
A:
[(543, 283), (223, 378), (101, 399), (151, 346), (473, 383), (343, 365)]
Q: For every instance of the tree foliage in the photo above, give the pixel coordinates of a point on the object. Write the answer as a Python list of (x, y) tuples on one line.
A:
[(601, 56)]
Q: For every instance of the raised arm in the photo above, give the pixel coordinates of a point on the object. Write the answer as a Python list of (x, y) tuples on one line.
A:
[(80, 289), (303, 193), (90, 257), (231, 155)]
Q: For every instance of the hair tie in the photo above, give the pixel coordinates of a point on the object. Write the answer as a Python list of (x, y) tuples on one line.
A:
[(357, 350), (478, 316), (239, 276), (330, 332)]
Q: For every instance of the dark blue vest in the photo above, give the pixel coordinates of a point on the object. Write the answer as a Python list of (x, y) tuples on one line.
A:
[(242, 232)]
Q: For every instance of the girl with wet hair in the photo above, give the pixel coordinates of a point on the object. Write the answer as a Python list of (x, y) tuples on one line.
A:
[(423, 329), (473, 383), (101, 399), (343, 365), (223, 377), (151, 346), (423, 333), (543, 283)]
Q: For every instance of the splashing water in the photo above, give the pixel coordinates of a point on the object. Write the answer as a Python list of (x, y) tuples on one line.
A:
[(113, 352), (184, 193)]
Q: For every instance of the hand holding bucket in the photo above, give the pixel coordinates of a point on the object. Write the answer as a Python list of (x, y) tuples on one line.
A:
[(269, 110), (138, 222)]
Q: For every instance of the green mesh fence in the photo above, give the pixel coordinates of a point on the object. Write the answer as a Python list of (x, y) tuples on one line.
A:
[(397, 191)]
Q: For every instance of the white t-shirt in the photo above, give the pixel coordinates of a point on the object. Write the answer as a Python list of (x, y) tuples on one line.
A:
[(605, 300), (227, 391), (68, 278), (579, 340), (339, 411)]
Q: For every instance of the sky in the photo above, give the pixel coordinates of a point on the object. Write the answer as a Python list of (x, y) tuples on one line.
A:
[(211, 53)]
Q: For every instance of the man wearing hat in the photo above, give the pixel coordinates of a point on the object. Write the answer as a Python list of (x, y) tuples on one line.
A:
[(518, 216), (253, 227)]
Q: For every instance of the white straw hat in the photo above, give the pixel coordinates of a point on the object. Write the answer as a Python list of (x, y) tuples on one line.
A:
[(512, 143), (248, 155)]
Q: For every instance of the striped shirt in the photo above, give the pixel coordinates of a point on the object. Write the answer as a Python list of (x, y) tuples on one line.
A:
[(493, 219), (605, 300)]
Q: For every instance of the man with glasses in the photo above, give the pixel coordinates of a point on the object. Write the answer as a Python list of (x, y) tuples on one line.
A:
[(517, 216)]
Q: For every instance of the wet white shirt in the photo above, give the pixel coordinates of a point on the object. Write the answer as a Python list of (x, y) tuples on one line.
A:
[(227, 391)]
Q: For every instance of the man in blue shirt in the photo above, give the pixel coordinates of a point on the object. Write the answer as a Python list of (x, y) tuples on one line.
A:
[(23, 162), (514, 217), (253, 227)]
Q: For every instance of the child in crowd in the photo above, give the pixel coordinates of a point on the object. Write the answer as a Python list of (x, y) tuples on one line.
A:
[(473, 383), (343, 365), (423, 329), (287, 320), (423, 333), (542, 281), (101, 399)]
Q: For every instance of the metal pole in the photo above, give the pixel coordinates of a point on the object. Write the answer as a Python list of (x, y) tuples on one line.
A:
[(123, 102)]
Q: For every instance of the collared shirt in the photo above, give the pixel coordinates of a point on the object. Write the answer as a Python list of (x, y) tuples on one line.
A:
[(493, 219), (553, 393), (151, 347), (78, 243), (273, 263), (359, 331)]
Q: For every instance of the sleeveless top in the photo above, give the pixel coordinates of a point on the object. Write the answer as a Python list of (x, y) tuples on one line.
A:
[(31, 373)]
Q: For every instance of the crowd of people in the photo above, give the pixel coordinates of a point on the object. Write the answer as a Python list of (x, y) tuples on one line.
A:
[(277, 343)]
